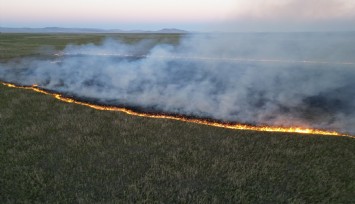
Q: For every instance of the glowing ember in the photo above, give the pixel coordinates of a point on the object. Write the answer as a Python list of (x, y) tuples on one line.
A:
[(198, 121)]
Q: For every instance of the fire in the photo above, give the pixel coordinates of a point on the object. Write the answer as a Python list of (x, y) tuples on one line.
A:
[(197, 121)]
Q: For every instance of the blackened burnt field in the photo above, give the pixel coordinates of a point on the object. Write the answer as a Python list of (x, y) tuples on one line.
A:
[(55, 151)]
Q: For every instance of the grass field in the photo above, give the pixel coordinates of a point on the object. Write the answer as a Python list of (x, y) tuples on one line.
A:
[(51, 151), (19, 45)]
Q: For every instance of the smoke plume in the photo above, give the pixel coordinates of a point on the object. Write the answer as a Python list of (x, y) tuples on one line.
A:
[(291, 16), (289, 79)]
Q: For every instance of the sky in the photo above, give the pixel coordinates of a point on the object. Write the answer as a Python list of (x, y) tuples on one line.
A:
[(193, 15)]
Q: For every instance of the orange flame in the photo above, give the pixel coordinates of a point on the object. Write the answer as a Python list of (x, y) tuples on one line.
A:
[(198, 121)]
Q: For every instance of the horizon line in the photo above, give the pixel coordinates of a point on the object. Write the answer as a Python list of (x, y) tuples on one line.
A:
[(162, 30)]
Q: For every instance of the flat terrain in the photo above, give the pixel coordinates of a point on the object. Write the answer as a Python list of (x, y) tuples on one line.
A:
[(19, 45), (51, 151)]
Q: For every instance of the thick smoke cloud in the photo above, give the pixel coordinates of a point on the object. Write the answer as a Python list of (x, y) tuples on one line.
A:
[(291, 16), (301, 10), (285, 79)]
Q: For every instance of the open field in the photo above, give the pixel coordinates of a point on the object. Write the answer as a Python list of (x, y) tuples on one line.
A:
[(19, 45), (51, 151)]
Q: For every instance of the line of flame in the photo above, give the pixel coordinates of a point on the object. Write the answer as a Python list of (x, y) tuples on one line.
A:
[(198, 121)]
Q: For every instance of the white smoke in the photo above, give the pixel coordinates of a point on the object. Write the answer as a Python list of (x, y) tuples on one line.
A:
[(276, 79)]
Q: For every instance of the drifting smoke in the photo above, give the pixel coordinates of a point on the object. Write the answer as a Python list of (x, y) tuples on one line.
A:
[(305, 80)]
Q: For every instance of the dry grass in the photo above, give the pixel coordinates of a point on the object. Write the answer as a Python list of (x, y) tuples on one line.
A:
[(51, 151)]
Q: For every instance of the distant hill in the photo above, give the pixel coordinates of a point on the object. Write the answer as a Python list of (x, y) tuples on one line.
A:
[(171, 30), (83, 30)]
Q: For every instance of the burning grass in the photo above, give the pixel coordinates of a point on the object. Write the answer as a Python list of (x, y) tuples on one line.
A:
[(54, 151), (202, 121), (62, 152)]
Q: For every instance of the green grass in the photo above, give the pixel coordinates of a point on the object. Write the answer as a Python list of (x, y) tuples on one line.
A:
[(19, 45), (51, 151)]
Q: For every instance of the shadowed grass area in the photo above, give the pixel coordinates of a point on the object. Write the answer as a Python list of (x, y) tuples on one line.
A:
[(51, 151)]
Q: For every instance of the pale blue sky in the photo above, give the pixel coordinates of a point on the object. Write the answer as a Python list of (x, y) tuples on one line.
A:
[(196, 15)]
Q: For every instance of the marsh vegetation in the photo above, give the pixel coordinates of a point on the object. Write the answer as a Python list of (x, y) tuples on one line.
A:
[(51, 151)]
